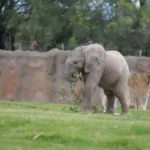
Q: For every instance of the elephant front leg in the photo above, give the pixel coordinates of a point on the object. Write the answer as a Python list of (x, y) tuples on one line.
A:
[(88, 93), (91, 82)]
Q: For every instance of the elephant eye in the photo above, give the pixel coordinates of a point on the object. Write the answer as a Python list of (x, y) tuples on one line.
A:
[(75, 62)]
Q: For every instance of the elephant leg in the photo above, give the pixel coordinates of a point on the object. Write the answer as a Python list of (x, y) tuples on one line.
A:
[(122, 93), (110, 102), (88, 93), (91, 83)]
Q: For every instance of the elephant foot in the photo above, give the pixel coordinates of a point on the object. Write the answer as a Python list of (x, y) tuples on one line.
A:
[(86, 112), (103, 108), (125, 112), (110, 111), (87, 109)]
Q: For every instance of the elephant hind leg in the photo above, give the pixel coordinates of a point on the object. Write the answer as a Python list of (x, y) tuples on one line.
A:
[(122, 93), (110, 102)]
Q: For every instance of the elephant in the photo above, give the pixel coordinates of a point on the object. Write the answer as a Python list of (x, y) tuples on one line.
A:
[(106, 69)]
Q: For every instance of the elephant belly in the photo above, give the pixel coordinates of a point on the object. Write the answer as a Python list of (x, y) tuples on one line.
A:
[(108, 80), (107, 84)]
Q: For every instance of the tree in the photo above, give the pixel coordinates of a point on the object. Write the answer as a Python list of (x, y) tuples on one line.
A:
[(10, 18), (42, 25), (128, 30), (5, 7)]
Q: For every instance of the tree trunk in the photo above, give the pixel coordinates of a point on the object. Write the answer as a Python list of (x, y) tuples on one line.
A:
[(142, 3), (12, 42), (2, 45)]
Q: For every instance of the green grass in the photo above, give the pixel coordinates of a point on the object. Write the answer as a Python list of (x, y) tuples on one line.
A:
[(42, 126)]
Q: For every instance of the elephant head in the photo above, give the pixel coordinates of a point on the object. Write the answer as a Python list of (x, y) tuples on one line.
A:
[(84, 59)]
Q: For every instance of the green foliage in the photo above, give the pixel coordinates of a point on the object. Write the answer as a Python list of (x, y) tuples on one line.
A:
[(121, 25), (97, 109), (37, 126), (74, 108), (72, 42), (42, 25), (65, 93), (129, 28)]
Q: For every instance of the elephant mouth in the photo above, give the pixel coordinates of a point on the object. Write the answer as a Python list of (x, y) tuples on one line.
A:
[(73, 77)]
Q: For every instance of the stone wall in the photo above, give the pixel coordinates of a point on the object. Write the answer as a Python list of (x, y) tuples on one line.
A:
[(139, 81), (38, 77), (31, 76)]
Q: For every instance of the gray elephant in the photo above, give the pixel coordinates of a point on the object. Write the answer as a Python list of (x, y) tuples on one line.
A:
[(106, 69)]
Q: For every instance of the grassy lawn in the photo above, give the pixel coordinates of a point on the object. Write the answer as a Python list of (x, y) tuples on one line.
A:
[(41, 126)]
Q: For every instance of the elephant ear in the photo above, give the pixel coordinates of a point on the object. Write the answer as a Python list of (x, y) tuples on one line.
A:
[(94, 56)]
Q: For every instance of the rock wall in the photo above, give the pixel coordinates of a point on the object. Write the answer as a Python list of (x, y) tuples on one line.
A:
[(139, 81), (30, 76), (38, 77)]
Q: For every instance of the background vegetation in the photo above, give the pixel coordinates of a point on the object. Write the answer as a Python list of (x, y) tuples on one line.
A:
[(122, 25)]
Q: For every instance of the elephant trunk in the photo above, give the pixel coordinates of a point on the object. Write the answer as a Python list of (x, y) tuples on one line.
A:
[(69, 74)]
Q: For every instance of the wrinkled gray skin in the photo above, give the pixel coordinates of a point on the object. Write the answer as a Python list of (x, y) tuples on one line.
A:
[(106, 69)]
